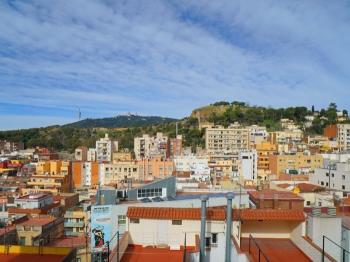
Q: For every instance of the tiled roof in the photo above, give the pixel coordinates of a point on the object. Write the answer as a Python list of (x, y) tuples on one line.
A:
[(175, 213), (37, 221), (270, 214), (218, 213), (309, 188), (273, 194)]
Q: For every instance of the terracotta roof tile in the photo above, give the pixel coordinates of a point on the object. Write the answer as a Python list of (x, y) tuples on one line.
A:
[(272, 194), (308, 188), (270, 214), (214, 214)]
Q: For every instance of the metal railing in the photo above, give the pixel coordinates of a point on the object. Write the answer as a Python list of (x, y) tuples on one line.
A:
[(344, 253), (260, 252)]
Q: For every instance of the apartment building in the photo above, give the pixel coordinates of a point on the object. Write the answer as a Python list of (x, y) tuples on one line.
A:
[(192, 163), (221, 168), (248, 165), (226, 142), (53, 183), (335, 176), (85, 174), (174, 147), (124, 156), (75, 222), (257, 135), (105, 148), (147, 146), (156, 167), (39, 231), (298, 163), (7, 147), (286, 137), (80, 153), (264, 150), (117, 172), (343, 136), (91, 155)]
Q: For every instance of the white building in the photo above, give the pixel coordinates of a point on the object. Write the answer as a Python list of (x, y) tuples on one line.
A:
[(257, 134), (105, 148), (343, 136), (147, 146), (33, 201), (91, 155), (196, 165), (248, 165), (333, 176)]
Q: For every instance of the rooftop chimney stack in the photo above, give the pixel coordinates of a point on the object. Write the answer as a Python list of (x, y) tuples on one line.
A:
[(203, 224), (228, 248)]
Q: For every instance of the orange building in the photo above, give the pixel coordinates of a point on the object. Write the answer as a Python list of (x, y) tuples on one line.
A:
[(156, 167), (85, 174), (330, 131), (264, 150)]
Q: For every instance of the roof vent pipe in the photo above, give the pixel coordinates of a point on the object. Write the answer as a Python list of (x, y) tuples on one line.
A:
[(204, 199), (229, 197)]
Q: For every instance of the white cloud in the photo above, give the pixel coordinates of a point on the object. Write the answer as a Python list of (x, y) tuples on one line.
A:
[(167, 58)]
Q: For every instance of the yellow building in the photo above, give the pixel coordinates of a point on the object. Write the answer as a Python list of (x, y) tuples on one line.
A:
[(116, 172), (264, 150), (122, 157), (294, 163), (39, 231), (43, 167), (75, 222)]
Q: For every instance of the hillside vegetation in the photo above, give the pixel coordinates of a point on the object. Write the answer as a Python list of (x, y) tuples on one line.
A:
[(86, 132)]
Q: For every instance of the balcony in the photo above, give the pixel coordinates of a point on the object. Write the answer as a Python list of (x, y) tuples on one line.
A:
[(74, 224)]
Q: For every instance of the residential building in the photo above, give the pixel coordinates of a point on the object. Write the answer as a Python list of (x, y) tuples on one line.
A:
[(91, 155), (75, 222), (156, 167), (7, 147), (117, 172), (335, 176), (124, 156), (221, 168), (105, 148), (39, 231), (147, 146), (298, 163), (343, 136), (85, 174), (257, 135), (226, 142), (264, 150), (330, 132), (174, 147), (80, 154), (248, 165), (196, 165), (274, 199)]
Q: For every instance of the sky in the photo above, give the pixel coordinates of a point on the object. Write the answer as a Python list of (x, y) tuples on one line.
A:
[(166, 58)]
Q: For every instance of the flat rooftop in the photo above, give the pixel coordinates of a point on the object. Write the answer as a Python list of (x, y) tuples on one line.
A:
[(276, 250), (136, 253)]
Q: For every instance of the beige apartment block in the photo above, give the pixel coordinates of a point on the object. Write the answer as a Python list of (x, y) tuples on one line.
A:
[(343, 136), (303, 163), (225, 142), (115, 173)]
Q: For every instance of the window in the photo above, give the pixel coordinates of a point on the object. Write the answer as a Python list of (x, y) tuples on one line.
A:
[(308, 203), (322, 183), (177, 222), (332, 174), (214, 238), (134, 220), (207, 242), (343, 187), (327, 174), (149, 192), (343, 176), (121, 220)]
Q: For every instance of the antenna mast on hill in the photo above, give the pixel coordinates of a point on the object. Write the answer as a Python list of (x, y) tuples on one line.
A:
[(79, 113)]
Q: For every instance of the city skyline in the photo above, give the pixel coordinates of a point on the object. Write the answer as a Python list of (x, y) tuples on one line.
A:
[(167, 58)]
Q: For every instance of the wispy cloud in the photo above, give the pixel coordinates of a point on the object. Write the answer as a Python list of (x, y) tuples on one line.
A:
[(167, 57)]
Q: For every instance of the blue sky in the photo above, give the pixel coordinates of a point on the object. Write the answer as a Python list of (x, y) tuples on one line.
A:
[(168, 57)]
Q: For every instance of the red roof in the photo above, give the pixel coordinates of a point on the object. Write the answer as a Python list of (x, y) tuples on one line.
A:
[(218, 213), (309, 188), (274, 194), (37, 221), (175, 213), (270, 214)]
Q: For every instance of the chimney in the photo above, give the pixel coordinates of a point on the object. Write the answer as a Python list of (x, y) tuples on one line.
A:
[(229, 197), (204, 199)]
